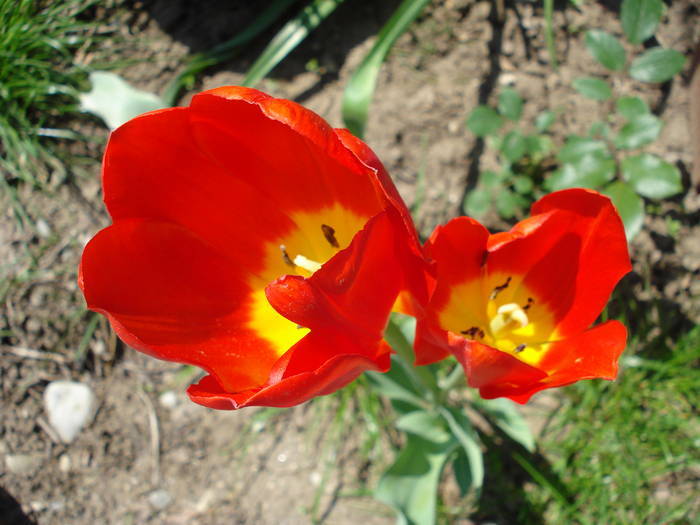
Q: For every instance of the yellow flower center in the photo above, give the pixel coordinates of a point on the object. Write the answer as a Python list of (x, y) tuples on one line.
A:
[(508, 317)]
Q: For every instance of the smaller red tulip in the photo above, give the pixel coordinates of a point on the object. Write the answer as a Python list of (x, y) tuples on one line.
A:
[(516, 308)]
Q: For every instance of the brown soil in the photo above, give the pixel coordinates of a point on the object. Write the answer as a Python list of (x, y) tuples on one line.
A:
[(151, 456)]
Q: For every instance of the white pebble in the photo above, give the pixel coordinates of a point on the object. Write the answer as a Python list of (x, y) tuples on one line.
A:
[(168, 399), (22, 463), (70, 406), (159, 499)]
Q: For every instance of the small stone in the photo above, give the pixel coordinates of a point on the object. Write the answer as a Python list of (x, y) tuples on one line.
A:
[(43, 228), (168, 399), (64, 463), (159, 499), (23, 463), (70, 406)]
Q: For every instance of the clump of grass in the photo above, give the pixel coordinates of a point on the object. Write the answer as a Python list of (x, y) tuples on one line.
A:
[(39, 80), (628, 451)]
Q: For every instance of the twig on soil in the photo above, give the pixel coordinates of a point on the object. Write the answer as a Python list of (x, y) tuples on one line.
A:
[(155, 435), (47, 428), (30, 353)]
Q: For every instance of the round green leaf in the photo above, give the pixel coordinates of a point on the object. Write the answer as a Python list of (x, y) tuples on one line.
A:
[(629, 205), (544, 120), (606, 49), (477, 202), (651, 176), (483, 121), (638, 132), (631, 107), (590, 171), (509, 203), (523, 184), (510, 105), (514, 146), (577, 147), (657, 65), (639, 18), (593, 88), (490, 179)]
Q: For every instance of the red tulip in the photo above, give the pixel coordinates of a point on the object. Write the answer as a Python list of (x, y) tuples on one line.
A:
[(516, 308), (250, 239)]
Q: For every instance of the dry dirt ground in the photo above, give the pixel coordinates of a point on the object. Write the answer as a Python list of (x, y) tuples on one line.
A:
[(150, 456)]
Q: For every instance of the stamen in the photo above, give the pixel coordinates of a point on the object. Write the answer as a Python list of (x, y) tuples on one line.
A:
[(509, 316), (329, 234), (530, 302), (474, 332), (306, 264), (285, 256), (499, 289), (519, 348)]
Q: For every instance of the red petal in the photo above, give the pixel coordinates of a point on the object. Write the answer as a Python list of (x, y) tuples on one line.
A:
[(179, 302)]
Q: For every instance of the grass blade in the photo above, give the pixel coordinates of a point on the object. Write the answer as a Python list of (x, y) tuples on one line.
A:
[(289, 37), (549, 32), (360, 88)]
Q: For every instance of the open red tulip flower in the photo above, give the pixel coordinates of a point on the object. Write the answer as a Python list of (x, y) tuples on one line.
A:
[(250, 239), (516, 308)]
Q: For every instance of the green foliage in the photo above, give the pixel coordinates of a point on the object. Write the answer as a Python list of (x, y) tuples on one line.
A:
[(640, 18), (360, 88), (629, 205), (511, 188), (657, 65), (631, 107), (606, 49), (651, 176), (593, 88)]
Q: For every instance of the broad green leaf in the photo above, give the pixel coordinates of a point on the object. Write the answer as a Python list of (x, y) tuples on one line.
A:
[(590, 171), (462, 430), (577, 147), (544, 121), (651, 176), (631, 107), (396, 384), (629, 205), (483, 121), (538, 145), (477, 202), (639, 18), (513, 146), (423, 424), (523, 184), (657, 65), (606, 49), (593, 88), (510, 104), (638, 132), (289, 37), (115, 101), (490, 179), (507, 417), (360, 87), (224, 51), (508, 203), (410, 485)]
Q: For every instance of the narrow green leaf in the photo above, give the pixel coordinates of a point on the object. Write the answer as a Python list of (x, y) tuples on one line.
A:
[(461, 428), (396, 384), (639, 18), (507, 417), (510, 104), (289, 37), (410, 485), (358, 92), (651, 176), (638, 132), (513, 146), (606, 49), (423, 424), (593, 88), (629, 205), (477, 203), (483, 121), (657, 65), (631, 107), (115, 101), (544, 121)]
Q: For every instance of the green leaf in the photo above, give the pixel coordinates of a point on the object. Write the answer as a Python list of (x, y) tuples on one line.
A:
[(477, 202), (638, 132), (593, 88), (396, 384), (462, 430), (483, 121), (577, 147), (590, 171), (599, 129), (510, 104), (423, 424), (639, 18), (410, 485), (544, 121), (657, 65), (523, 184), (508, 203), (606, 49), (507, 417), (631, 107), (289, 37), (115, 101), (538, 145), (359, 89), (514, 146), (629, 205), (490, 179), (651, 176)]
